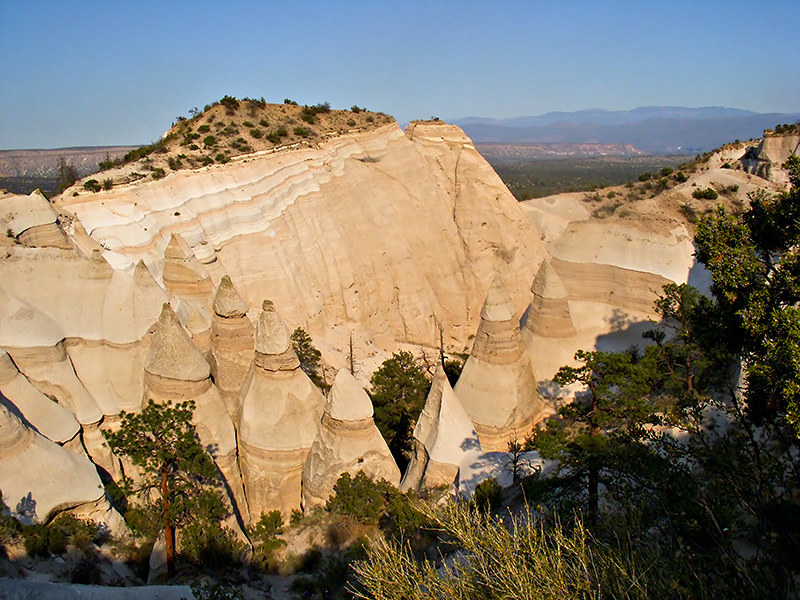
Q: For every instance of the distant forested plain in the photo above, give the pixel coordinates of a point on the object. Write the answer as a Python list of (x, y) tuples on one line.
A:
[(545, 177)]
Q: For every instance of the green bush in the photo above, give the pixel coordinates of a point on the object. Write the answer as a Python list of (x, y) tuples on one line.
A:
[(681, 177), (666, 171), (399, 390), (248, 124), (158, 173), (209, 141), (194, 147), (357, 497), (487, 495), (356, 109), (266, 542), (274, 137), (256, 133), (310, 358), (108, 184), (92, 185), (301, 131), (230, 103), (221, 158), (202, 129), (708, 193), (351, 123), (264, 123), (289, 102)]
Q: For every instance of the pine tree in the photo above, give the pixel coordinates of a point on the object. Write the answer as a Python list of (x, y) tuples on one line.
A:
[(176, 470)]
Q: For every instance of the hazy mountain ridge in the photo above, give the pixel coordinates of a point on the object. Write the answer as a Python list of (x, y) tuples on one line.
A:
[(656, 130)]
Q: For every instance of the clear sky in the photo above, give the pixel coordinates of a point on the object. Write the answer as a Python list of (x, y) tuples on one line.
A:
[(80, 72)]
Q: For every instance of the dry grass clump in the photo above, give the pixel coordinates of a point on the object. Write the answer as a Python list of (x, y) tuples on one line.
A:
[(521, 558)]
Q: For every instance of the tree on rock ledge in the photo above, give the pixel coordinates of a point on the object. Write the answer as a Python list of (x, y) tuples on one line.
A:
[(176, 470)]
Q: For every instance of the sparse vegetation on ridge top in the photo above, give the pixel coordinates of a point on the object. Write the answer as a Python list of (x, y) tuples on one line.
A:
[(234, 127)]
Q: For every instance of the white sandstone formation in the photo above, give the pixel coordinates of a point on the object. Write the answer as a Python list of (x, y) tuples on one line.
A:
[(31, 220), (280, 412), (772, 152), (548, 314), (187, 280), (444, 438), (231, 344), (432, 219), (496, 387), (48, 418), (548, 330), (175, 371), (39, 478), (347, 441)]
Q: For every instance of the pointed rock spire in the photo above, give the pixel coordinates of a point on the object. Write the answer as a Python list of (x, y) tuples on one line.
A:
[(273, 342), (175, 370), (443, 438), (184, 276), (497, 388), (347, 441), (347, 400), (280, 413), (172, 354), (227, 302), (548, 314), (231, 343)]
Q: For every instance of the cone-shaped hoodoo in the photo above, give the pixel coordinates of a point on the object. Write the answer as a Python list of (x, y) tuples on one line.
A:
[(347, 441), (497, 388)]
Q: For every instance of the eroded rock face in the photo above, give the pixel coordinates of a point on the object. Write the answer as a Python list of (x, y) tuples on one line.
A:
[(231, 344), (31, 220), (497, 388), (35, 409), (347, 441), (278, 420), (548, 314), (176, 371), (444, 438), (65, 480), (282, 226)]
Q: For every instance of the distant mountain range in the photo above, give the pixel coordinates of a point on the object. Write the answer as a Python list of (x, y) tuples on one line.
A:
[(651, 129)]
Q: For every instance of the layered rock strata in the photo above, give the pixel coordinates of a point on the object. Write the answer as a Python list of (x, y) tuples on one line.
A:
[(497, 388), (280, 412), (31, 221), (282, 225), (347, 441), (548, 314), (444, 438), (231, 344)]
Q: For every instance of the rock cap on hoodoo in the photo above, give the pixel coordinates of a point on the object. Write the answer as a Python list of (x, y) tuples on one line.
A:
[(498, 306), (177, 248), (172, 353), (547, 283), (272, 335), (347, 400), (228, 303)]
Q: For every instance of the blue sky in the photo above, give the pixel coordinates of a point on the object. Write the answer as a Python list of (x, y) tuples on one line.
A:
[(76, 73)]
